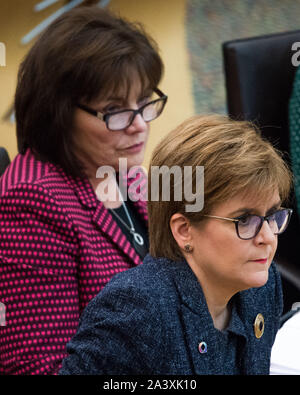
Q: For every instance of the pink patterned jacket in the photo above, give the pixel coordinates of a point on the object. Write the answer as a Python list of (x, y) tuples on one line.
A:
[(59, 246)]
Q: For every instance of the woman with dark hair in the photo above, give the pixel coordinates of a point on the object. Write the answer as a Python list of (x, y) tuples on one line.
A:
[(86, 93)]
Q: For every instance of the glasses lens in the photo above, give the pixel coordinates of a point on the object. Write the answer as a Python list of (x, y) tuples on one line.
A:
[(119, 121), (152, 110), (123, 119), (248, 226), (279, 221)]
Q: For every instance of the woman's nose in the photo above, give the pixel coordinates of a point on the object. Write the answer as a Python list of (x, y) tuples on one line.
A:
[(138, 125), (265, 235)]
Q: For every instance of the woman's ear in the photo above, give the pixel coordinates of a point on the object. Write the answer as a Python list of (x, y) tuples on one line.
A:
[(181, 230)]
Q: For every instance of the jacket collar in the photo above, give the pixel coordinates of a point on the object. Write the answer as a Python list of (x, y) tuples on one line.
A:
[(195, 315), (190, 289), (186, 283), (198, 323), (101, 216), (86, 195), (193, 297), (103, 219)]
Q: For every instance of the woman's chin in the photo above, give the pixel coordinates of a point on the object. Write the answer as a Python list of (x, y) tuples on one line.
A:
[(258, 279)]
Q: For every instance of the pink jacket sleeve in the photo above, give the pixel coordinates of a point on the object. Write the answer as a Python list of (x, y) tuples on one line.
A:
[(38, 283)]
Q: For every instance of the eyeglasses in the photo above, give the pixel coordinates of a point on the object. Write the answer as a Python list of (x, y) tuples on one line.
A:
[(120, 120), (248, 226)]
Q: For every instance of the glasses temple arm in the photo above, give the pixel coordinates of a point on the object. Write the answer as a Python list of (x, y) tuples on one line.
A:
[(227, 219)]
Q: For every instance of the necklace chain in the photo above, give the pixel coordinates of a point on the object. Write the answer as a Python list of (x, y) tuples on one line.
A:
[(131, 228), (137, 237)]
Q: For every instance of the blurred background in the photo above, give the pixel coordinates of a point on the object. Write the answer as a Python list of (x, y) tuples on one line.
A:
[(188, 32)]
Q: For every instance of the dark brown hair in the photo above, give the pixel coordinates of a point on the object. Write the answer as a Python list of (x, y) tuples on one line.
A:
[(83, 55)]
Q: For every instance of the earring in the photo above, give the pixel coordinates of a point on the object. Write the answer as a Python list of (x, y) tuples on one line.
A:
[(188, 248)]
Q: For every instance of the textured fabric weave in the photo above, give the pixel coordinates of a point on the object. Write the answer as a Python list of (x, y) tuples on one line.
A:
[(152, 318), (294, 121), (59, 246)]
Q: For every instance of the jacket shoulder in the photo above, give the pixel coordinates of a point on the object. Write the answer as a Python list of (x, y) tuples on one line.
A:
[(126, 308), (26, 169), (151, 278), (32, 188)]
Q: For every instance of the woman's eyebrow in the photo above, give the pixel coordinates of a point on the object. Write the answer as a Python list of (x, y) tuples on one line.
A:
[(243, 210), (246, 210), (121, 99), (275, 207), (114, 98)]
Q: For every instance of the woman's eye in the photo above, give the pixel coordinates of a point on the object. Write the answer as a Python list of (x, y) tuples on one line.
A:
[(272, 217), (244, 220), (111, 108)]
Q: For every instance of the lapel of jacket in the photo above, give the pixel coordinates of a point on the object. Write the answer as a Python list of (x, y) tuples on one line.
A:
[(197, 322), (255, 353), (103, 219), (198, 326)]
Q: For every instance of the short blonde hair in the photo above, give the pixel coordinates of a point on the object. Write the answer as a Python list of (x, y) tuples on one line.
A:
[(235, 158)]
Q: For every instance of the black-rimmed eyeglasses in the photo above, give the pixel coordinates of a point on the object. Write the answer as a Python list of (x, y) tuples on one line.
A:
[(119, 120), (248, 226)]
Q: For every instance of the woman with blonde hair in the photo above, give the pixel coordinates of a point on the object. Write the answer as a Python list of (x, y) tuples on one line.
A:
[(208, 298)]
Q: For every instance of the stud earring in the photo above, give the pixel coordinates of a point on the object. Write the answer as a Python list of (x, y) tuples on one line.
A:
[(188, 248)]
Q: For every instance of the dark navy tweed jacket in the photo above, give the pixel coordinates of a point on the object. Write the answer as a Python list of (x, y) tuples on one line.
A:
[(151, 319)]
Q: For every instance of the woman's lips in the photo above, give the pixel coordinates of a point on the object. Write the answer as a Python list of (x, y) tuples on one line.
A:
[(134, 148), (264, 260)]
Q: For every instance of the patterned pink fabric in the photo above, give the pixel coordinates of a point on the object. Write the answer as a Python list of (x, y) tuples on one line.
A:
[(58, 247)]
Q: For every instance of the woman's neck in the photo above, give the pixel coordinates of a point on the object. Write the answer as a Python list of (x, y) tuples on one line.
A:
[(220, 313), (217, 297), (107, 191)]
